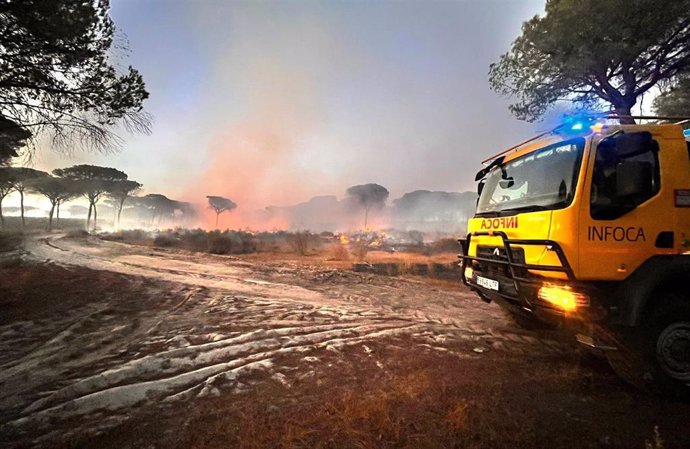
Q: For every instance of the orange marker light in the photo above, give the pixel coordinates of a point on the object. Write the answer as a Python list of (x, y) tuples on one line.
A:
[(560, 297), (597, 127)]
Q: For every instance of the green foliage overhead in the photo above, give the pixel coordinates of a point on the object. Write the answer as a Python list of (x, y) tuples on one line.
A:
[(592, 52), (57, 74), (676, 101), (12, 138)]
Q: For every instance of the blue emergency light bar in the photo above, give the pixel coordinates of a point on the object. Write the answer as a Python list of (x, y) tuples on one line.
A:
[(582, 124)]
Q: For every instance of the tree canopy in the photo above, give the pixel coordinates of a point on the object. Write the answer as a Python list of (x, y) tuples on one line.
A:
[(368, 196), (57, 74), (93, 181), (220, 204), (675, 101), (120, 191), (20, 179), (435, 206), (592, 52), (12, 138), (56, 190)]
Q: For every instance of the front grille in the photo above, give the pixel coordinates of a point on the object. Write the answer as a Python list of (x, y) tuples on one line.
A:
[(499, 253)]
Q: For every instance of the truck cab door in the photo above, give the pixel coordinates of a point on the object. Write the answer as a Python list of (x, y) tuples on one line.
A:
[(625, 206)]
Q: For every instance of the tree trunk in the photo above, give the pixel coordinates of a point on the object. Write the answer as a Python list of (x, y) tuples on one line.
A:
[(88, 217), (2, 217), (21, 206), (217, 215), (50, 217), (95, 217), (58, 212), (366, 217), (624, 113), (119, 213)]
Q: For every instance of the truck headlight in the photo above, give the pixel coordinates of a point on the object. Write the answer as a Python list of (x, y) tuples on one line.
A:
[(562, 297), (469, 273)]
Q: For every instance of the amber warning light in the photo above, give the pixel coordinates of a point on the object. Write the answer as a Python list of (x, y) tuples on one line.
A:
[(563, 298)]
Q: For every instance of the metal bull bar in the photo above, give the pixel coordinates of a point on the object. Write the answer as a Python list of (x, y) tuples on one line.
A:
[(511, 263)]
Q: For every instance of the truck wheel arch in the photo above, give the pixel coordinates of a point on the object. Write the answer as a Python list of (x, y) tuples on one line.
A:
[(636, 293)]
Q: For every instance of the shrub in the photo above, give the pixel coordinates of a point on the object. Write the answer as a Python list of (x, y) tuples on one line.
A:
[(136, 236), (77, 233), (299, 242), (10, 241), (195, 240), (164, 241), (219, 243), (340, 252)]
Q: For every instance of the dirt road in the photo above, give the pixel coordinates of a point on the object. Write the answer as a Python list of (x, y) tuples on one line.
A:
[(168, 331)]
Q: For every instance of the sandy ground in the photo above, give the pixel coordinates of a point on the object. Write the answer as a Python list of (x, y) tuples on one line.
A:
[(173, 349)]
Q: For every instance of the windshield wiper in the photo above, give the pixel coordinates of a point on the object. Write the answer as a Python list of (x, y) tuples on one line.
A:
[(491, 213), (531, 208)]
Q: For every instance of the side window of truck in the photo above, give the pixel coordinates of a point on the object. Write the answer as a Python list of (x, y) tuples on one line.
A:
[(626, 174)]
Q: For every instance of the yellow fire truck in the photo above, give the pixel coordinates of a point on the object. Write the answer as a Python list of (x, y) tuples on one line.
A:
[(588, 226)]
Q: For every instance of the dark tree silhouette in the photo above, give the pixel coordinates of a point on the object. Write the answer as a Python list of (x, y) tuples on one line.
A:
[(158, 205), (220, 204), (675, 101), (592, 51), (57, 190), (119, 191), (93, 182), (423, 206), (57, 74), (20, 179), (12, 138), (368, 196), (187, 209)]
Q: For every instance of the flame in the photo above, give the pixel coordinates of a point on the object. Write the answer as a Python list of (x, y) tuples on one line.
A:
[(344, 239)]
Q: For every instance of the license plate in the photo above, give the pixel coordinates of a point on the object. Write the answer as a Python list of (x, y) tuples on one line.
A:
[(487, 283)]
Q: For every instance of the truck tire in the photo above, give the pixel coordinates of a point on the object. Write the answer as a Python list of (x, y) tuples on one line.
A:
[(656, 356)]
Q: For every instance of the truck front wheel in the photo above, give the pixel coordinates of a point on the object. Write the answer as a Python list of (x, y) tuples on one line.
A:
[(656, 356)]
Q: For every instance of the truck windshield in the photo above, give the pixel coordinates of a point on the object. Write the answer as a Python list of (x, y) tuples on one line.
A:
[(542, 180)]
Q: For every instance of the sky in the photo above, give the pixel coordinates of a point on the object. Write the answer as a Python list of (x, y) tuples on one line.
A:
[(273, 102)]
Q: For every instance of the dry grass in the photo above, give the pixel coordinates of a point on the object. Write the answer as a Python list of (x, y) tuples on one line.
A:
[(419, 402), (340, 253), (360, 250), (415, 398), (299, 242)]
